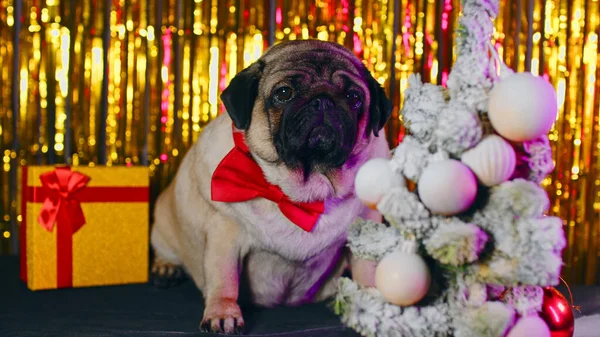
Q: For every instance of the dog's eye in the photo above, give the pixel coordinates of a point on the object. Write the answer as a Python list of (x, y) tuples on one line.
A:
[(283, 94), (354, 99)]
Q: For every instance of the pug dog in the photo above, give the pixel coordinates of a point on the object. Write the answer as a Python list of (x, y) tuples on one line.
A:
[(309, 114)]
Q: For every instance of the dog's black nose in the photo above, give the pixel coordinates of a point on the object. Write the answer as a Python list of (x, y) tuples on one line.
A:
[(323, 103)]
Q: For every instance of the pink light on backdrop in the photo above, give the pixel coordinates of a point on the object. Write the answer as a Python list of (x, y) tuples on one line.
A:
[(166, 93), (358, 49), (446, 14), (166, 62), (344, 12), (223, 82), (445, 24), (278, 17), (407, 26), (444, 77)]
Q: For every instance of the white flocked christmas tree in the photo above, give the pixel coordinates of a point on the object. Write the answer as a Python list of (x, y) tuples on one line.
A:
[(468, 251)]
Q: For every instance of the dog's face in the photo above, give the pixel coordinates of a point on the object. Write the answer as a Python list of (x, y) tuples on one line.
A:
[(306, 105)]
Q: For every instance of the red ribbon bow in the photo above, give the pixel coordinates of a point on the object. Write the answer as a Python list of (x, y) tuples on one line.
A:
[(61, 204), (61, 207), (239, 178)]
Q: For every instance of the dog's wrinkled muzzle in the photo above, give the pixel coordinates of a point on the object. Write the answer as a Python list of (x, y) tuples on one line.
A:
[(318, 133)]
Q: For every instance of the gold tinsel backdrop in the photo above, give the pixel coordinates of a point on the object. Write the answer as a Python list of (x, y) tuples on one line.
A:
[(90, 82)]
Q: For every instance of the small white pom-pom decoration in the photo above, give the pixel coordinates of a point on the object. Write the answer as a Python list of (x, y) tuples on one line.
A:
[(374, 179), (522, 107), (530, 326), (447, 187), (493, 160), (402, 278)]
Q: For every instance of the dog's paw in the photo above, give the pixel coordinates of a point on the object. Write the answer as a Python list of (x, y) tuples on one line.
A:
[(165, 274), (222, 316)]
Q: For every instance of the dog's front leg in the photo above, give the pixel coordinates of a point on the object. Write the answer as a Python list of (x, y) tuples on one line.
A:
[(222, 260)]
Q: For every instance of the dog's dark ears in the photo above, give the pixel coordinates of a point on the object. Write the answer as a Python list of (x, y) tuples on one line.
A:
[(240, 94), (380, 108)]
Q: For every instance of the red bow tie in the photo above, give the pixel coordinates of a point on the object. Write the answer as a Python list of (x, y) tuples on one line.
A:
[(239, 178)]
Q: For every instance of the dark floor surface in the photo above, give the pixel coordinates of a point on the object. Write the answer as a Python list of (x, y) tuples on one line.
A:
[(142, 310), (139, 310)]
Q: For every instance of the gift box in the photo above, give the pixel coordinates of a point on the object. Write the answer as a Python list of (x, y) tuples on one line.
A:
[(84, 226)]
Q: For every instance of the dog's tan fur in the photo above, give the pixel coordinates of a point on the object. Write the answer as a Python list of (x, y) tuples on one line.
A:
[(218, 243)]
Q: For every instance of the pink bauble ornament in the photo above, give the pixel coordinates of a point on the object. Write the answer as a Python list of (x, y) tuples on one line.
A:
[(522, 107), (402, 278), (363, 271), (530, 326), (374, 179), (493, 160), (447, 187)]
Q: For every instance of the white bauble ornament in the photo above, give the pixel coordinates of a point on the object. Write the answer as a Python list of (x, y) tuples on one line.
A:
[(447, 187), (374, 179), (530, 326), (493, 160), (522, 107), (402, 278)]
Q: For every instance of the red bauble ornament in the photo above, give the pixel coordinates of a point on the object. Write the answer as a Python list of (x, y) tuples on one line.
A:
[(557, 313)]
